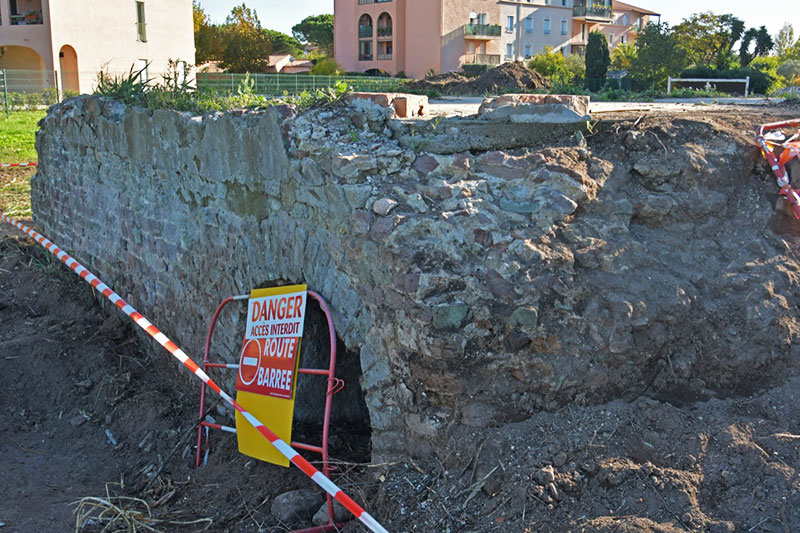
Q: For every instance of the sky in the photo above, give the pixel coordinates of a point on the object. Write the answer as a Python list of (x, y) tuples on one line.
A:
[(281, 15)]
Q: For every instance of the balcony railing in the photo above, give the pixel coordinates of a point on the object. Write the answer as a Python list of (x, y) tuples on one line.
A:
[(141, 32), (482, 30), (28, 18), (384, 31), (596, 11), (365, 57), (482, 59), (365, 32), (362, 2), (384, 57)]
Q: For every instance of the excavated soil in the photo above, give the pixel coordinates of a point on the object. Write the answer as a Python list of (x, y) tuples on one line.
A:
[(512, 77), (92, 410)]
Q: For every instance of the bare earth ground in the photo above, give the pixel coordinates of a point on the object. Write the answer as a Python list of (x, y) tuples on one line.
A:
[(89, 411)]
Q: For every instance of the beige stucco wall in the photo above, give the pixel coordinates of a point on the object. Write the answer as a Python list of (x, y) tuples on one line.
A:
[(519, 36), (103, 34), (35, 37), (455, 15)]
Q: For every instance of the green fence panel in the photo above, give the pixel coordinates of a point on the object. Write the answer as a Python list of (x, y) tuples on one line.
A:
[(278, 84)]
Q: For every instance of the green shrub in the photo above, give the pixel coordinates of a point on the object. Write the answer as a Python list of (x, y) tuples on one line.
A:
[(557, 68), (326, 67)]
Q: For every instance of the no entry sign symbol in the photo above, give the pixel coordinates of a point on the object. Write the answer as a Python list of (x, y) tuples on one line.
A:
[(250, 361)]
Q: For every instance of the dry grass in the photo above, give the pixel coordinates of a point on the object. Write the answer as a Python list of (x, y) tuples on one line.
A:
[(116, 514)]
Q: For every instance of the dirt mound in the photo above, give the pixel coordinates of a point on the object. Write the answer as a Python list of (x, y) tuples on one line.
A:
[(512, 77)]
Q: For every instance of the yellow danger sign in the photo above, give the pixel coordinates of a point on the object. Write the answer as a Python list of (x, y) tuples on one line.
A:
[(268, 368)]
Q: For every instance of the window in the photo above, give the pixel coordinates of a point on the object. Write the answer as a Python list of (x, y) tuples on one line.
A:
[(529, 24), (141, 34), (365, 50), (563, 26), (509, 50), (622, 39), (564, 3), (527, 50), (610, 38), (547, 26), (624, 20), (141, 68), (510, 23), (183, 69)]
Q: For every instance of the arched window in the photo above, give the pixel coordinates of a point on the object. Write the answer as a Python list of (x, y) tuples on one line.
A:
[(365, 26), (385, 25)]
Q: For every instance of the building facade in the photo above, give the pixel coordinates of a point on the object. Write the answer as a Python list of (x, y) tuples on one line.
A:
[(620, 22), (69, 42), (414, 37)]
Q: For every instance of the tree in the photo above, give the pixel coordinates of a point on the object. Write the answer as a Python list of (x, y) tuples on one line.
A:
[(247, 47), (622, 56), (790, 70), (316, 30), (657, 57), (207, 42), (280, 43), (785, 39), (597, 61), (763, 44), (708, 38)]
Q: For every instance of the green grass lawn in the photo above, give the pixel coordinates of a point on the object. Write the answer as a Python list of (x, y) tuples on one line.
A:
[(17, 136)]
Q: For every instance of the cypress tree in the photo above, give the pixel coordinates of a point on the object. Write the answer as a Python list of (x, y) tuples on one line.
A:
[(597, 61)]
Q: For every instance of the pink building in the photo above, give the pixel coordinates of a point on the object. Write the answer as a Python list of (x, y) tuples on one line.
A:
[(69, 42), (416, 36)]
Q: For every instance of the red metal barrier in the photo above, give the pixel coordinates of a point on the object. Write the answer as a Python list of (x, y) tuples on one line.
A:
[(334, 385)]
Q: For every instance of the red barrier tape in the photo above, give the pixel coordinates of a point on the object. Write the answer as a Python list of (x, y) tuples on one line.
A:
[(299, 461), (7, 165)]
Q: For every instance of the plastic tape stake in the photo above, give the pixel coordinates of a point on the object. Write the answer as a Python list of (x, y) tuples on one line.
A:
[(8, 165), (289, 452)]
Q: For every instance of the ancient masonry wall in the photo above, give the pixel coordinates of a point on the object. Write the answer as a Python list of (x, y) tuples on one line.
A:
[(473, 288)]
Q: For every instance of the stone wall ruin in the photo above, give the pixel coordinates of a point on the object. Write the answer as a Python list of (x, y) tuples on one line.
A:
[(469, 287)]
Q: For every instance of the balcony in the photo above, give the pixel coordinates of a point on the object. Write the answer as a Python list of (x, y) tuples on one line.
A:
[(384, 33), (384, 57), (27, 18), (481, 31), (592, 11), (482, 59), (365, 32), (363, 2)]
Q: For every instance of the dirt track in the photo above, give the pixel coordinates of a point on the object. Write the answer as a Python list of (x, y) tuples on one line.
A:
[(75, 373)]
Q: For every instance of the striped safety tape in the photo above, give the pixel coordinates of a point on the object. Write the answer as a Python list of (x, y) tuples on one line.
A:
[(299, 461), (7, 165)]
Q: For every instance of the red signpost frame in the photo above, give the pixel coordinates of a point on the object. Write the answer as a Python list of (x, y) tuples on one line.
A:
[(334, 385)]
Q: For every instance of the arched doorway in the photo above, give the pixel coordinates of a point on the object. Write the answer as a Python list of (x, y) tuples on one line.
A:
[(25, 69), (68, 65)]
